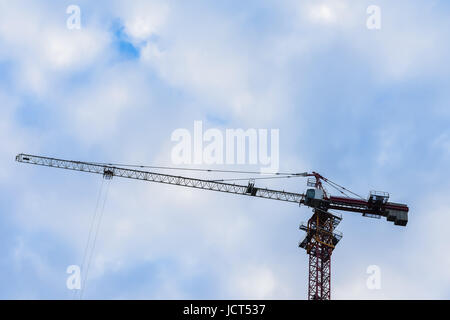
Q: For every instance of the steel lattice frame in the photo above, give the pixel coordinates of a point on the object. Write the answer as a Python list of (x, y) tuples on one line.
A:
[(319, 284), (321, 243), (110, 171)]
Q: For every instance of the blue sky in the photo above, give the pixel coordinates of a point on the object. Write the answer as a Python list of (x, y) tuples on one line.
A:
[(368, 109)]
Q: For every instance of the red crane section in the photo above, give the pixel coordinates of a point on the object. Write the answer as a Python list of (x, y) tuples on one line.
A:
[(321, 237)]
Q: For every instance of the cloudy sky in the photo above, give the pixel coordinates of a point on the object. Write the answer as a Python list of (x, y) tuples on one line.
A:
[(368, 109)]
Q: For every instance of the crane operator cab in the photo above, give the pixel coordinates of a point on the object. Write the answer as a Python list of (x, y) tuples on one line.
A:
[(313, 197)]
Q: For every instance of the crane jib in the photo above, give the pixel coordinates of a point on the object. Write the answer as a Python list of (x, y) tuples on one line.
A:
[(110, 171), (374, 207)]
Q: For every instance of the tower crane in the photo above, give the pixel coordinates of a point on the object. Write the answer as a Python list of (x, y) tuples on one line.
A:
[(321, 235)]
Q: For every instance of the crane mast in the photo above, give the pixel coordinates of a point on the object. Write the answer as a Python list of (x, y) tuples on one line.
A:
[(321, 236)]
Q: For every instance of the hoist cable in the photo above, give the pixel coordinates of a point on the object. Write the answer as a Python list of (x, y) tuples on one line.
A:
[(329, 181), (83, 288), (90, 231), (302, 174), (336, 188), (253, 178)]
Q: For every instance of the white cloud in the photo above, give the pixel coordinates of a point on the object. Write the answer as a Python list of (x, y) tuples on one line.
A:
[(13, 139), (142, 19), (205, 67), (43, 47), (322, 13), (408, 44), (70, 50), (98, 110), (254, 282), (337, 14)]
